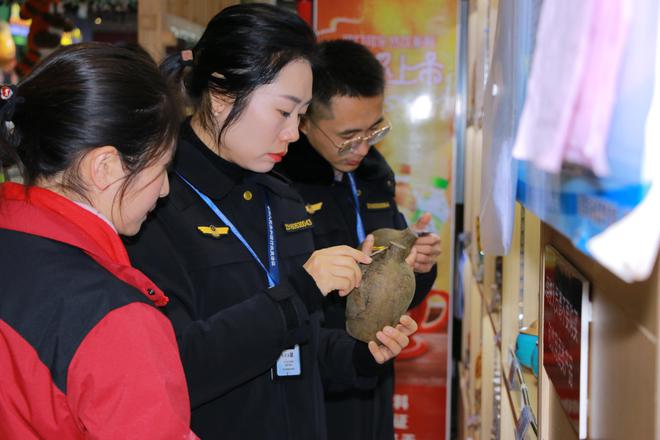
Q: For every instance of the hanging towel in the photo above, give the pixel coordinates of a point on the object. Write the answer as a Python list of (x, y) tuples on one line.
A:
[(629, 247), (573, 85)]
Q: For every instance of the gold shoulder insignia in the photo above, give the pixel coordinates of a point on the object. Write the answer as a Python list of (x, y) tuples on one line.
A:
[(378, 205), (213, 231), (298, 226), (312, 208)]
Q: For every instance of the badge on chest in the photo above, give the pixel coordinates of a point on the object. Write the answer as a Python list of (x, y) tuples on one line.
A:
[(313, 207), (378, 205), (298, 226), (213, 231)]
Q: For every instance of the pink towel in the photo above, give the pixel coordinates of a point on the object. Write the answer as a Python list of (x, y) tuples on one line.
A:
[(572, 87), (589, 130)]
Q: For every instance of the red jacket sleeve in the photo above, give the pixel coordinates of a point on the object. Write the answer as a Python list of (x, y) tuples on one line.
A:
[(126, 380)]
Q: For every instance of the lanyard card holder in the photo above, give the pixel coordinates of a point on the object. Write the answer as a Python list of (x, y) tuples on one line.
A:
[(288, 366)]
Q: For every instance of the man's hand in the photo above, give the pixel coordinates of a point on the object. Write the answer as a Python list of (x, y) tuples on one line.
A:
[(393, 340), (426, 248)]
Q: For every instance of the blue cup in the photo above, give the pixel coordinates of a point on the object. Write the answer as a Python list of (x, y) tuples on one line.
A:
[(526, 345)]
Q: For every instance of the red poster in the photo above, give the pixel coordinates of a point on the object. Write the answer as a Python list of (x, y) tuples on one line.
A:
[(566, 317)]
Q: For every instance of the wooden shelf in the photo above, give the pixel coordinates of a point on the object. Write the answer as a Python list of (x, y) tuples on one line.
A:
[(515, 397), (486, 304), (512, 398)]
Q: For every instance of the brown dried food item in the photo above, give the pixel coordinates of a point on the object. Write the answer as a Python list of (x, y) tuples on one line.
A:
[(387, 288)]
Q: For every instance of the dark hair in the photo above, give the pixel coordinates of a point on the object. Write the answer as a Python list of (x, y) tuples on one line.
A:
[(86, 96), (134, 47), (345, 68), (243, 47)]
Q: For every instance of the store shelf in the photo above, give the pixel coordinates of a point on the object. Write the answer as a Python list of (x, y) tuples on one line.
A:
[(466, 426), (518, 398), (493, 316), (463, 381)]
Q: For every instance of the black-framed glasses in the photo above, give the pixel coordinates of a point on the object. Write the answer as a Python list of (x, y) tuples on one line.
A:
[(352, 144)]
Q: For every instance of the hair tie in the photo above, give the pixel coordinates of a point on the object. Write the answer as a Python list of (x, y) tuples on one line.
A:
[(8, 101), (186, 57)]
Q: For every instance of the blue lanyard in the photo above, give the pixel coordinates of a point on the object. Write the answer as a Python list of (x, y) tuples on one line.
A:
[(359, 226), (273, 272), (273, 268)]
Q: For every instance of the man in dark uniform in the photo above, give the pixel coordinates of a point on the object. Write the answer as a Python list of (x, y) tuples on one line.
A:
[(335, 169)]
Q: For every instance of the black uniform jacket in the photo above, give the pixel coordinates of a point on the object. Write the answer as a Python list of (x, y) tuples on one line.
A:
[(352, 414), (230, 326)]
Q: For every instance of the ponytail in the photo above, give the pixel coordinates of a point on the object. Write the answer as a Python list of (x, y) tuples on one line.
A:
[(176, 68)]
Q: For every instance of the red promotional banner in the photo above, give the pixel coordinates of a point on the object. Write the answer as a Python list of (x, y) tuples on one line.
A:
[(421, 374), (416, 43), (566, 316)]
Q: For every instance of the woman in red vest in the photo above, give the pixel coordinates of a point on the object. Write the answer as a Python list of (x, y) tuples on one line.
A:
[(84, 350)]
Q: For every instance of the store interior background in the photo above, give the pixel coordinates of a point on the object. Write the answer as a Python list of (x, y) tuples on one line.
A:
[(496, 299)]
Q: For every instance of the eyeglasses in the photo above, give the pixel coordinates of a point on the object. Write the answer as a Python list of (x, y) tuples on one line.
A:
[(352, 144)]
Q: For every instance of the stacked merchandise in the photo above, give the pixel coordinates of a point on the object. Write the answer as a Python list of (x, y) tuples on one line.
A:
[(584, 139)]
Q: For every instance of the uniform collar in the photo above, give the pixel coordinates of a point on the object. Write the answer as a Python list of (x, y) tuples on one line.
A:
[(304, 164), (207, 171), (216, 177)]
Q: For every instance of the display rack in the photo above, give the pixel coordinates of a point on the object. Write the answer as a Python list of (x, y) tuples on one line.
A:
[(494, 336), (624, 357)]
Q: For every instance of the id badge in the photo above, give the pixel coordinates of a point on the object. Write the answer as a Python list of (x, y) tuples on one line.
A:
[(288, 365)]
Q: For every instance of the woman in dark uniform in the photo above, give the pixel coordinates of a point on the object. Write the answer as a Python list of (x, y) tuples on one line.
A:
[(232, 244)]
